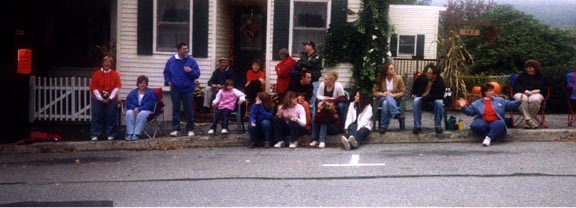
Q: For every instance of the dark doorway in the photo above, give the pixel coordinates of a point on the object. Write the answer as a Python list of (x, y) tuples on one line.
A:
[(249, 35)]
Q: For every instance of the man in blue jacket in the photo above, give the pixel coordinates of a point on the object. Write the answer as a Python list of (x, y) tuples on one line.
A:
[(180, 73)]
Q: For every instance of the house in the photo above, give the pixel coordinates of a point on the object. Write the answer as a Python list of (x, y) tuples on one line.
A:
[(148, 31)]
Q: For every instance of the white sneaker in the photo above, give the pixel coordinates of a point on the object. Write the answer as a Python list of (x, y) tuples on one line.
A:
[(174, 133), (322, 145), (293, 145), (110, 138), (94, 138), (224, 131), (487, 141), (353, 141), (345, 143), (190, 133), (313, 143), (211, 131), (279, 144)]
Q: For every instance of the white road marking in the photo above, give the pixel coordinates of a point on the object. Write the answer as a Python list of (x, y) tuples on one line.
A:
[(354, 161)]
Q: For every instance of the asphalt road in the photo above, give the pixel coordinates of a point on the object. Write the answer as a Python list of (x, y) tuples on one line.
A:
[(432, 174)]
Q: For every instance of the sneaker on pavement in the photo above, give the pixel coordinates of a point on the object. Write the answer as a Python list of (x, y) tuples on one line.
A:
[(487, 141), (416, 130), (190, 133), (353, 141), (345, 143), (211, 131), (279, 144), (313, 143), (129, 137), (174, 133), (224, 131), (110, 138), (94, 139), (293, 145), (438, 130), (135, 137), (322, 145)]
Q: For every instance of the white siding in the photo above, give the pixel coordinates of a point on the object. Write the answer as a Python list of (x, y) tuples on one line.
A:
[(415, 20)]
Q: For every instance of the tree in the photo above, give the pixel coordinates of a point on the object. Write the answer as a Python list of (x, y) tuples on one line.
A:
[(411, 2)]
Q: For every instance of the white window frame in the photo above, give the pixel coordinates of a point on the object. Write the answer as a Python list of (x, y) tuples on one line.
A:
[(155, 30), (398, 54), (296, 54)]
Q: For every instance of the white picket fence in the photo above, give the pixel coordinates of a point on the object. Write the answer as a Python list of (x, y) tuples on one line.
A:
[(59, 99)]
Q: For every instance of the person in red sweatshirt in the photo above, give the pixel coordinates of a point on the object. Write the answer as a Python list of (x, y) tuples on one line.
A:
[(104, 88)]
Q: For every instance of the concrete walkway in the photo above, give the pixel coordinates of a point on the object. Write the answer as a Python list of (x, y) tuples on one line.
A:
[(557, 130)]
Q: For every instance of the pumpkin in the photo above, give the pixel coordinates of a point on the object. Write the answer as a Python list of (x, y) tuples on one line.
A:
[(497, 87), (476, 90), (461, 102)]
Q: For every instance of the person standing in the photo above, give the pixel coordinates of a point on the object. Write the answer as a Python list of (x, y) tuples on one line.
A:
[(489, 112), (140, 104), (180, 72), (104, 88), (283, 69), (529, 88), (428, 92), (217, 81), (313, 62), (389, 88)]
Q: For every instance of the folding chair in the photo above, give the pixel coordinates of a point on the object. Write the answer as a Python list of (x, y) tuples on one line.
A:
[(239, 115), (155, 124), (541, 119), (571, 97)]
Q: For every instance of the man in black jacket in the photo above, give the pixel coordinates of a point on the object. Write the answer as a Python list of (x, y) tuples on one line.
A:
[(428, 93), (312, 61)]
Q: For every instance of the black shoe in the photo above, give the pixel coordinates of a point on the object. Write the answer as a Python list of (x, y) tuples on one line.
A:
[(252, 146), (438, 130), (416, 130), (267, 145), (382, 130), (399, 116), (205, 110)]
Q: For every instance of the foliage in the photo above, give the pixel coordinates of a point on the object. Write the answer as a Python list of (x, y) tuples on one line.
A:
[(362, 43), (411, 2), (520, 37), (463, 10)]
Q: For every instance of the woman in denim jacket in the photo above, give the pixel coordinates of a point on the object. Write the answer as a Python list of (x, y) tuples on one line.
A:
[(490, 113)]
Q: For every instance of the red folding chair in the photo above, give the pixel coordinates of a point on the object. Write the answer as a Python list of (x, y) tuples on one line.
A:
[(155, 123)]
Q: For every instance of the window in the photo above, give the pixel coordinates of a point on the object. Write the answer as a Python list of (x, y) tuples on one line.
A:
[(406, 45), (172, 24), (309, 22)]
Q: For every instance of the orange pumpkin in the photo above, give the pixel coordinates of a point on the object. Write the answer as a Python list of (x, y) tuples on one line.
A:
[(461, 102), (497, 87), (476, 90)]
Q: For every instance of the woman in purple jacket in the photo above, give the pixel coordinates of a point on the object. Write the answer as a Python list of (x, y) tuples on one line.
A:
[(139, 105), (261, 120)]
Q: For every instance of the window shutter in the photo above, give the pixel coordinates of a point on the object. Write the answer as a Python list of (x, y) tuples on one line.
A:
[(145, 30), (419, 47), (339, 15), (200, 29), (394, 45), (281, 26)]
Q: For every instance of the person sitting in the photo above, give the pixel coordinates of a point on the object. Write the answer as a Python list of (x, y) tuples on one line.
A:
[(332, 91), (217, 81), (140, 104), (225, 103), (326, 122), (389, 87), (529, 88), (290, 120), (358, 121), (428, 92), (489, 112), (261, 120)]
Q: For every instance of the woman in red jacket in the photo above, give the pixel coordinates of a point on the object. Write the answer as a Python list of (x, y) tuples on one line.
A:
[(104, 88), (283, 72)]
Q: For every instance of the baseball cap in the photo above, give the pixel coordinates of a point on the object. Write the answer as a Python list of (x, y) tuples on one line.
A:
[(223, 58), (309, 42)]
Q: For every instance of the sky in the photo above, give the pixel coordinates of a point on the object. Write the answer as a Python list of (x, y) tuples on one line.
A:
[(556, 13)]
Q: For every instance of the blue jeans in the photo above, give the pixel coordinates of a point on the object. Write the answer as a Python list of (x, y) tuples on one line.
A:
[(313, 99), (103, 114), (187, 100), (358, 134), (321, 130), (135, 124), (283, 129), (493, 129), (389, 109), (221, 114), (437, 105), (342, 109), (264, 128)]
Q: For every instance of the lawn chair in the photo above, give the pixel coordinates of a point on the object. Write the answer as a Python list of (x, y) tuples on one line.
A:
[(516, 117), (155, 123)]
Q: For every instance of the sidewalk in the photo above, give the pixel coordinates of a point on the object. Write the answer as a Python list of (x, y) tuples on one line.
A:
[(557, 130)]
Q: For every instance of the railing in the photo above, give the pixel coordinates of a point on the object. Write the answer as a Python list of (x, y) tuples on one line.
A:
[(59, 99), (410, 66)]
